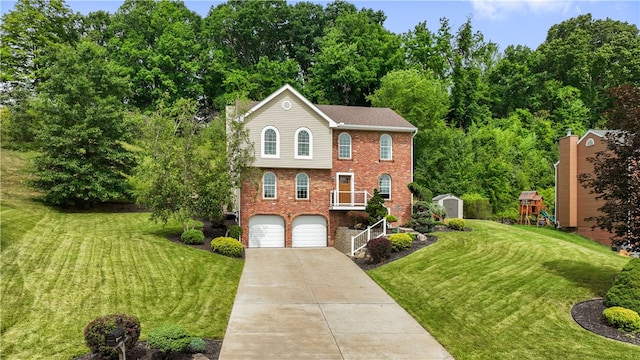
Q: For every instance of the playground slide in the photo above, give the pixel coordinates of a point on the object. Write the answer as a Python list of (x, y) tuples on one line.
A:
[(546, 215)]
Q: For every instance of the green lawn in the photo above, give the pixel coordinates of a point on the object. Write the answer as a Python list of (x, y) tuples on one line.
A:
[(505, 292), (60, 270)]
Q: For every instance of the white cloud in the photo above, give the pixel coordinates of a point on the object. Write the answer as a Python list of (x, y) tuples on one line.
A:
[(501, 9)]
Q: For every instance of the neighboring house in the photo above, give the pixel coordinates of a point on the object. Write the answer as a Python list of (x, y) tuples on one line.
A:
[(318, 162), (574, 203), (452, 204)]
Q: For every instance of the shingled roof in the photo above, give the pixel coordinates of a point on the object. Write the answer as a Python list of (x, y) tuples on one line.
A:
[(530, 195), (362, 117)]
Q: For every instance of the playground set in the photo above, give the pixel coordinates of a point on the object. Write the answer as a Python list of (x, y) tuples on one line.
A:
[(532, 206)]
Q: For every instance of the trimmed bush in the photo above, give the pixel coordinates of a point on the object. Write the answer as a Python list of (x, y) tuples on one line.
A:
[(390, 218), (422, 219), (622, 318), (227, 246), (375, 207), (169, 338), (379, 249), (235, 231), (476, 206), (196, 345), (625, 291), (400, 241), (98, 328), (193, 237), (455, 224)]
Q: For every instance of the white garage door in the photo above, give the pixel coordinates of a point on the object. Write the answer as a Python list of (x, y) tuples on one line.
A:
[(309, 231), (266, 231)]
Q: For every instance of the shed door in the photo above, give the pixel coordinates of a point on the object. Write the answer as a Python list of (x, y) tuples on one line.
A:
[(309, 231), (266, 231), (451, 206)]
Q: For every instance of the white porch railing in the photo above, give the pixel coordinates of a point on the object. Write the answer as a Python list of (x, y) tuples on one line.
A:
[(376, 230), (351, 200)]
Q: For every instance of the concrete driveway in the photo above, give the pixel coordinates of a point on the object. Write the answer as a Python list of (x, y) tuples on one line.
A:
[(317, 304)]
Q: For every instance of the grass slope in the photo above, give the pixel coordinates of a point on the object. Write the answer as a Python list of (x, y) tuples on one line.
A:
[(505, 292), (60, 270)]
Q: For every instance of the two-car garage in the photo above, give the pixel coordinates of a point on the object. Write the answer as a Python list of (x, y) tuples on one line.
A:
[(269, 231)]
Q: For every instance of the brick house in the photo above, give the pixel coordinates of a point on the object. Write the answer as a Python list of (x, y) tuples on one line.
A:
[(574, 203), (316, 163)]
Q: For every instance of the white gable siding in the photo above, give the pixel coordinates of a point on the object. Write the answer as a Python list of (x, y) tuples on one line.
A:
[(287, 122)]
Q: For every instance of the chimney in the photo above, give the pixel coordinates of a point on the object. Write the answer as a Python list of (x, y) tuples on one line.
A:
[(567, 181)]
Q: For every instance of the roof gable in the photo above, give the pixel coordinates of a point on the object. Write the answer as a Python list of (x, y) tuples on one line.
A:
[(598, 133), (299, 96)]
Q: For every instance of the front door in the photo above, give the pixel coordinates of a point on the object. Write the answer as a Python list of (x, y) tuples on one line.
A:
[(344, 189)]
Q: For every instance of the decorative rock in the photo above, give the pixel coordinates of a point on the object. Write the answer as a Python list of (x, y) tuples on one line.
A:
[(199, 357), (421, 237)]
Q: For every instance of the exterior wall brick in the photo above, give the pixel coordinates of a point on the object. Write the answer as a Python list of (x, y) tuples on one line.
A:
[(366, 166)]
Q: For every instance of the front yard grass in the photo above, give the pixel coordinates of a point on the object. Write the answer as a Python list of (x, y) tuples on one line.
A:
[(505, 292), (60, 270)]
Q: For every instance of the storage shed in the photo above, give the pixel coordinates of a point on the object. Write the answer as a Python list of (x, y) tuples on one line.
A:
[(452, 204)]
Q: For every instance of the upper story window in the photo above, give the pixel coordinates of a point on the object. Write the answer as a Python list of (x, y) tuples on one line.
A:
[(269, 190), (302, 186), (384, 186), (270, 142), (344, 146), (590, 142), (386, 148), (303, 144)]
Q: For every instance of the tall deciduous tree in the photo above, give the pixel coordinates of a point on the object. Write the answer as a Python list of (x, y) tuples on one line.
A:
[(592, 56), (616, 175), (186, 172), (158, 43), (82, 159)]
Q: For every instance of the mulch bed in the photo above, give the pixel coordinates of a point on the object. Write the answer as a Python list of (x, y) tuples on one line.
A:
[(142, 352), (365, 264), (588, 314)]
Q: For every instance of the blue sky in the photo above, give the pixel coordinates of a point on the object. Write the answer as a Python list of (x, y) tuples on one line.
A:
[(505, 22)]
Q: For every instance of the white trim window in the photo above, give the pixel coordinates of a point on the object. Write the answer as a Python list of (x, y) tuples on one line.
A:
[(302, 186), (386, 147), (344, 146), (384, 186), (270, 142), (303, 144), (590, 142), (269, 188)]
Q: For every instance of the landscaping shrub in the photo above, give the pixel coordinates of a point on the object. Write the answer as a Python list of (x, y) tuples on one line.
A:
[(420, 192), (455, 224), (390, 218), (422, 218), (98, 328), (476, 206), (375, 208), (192, 237), (625, 291), (196, 345), (227, 246), (235, 231), (169, 338), (400, 241), (379, 249), (438, 210), (622, 318)]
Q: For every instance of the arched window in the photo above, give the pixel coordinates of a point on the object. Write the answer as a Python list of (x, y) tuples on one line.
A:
[(270, 142), (302, 186), (269, 190), (304, 144), (590, 142), (386, 149), (344, 146), (384, 186)]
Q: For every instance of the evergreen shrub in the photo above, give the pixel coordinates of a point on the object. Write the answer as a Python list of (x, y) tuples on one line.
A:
[(455, 224), (193, 237), (400, 241), (235, 231), (622, 318), (625, 291), (169, 338), (227, 246)]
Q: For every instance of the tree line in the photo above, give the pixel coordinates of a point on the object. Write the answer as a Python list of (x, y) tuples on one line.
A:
[(102, 95)]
